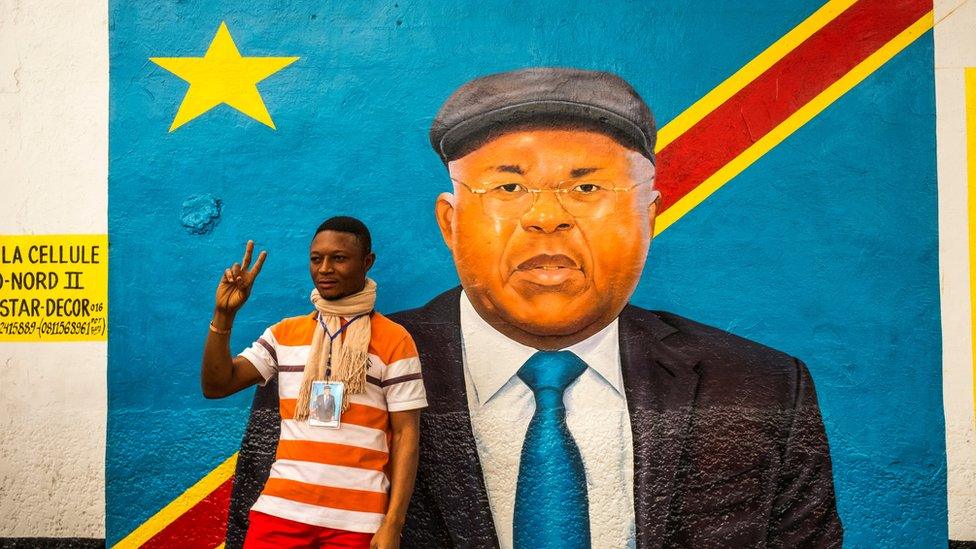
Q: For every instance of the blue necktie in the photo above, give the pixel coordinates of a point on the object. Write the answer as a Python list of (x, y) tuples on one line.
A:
[(551, 504)]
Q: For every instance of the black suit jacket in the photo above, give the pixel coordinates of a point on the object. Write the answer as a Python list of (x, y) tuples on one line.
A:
[(729, 445)]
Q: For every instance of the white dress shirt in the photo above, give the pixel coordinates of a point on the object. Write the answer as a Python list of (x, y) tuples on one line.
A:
[(501, 406)]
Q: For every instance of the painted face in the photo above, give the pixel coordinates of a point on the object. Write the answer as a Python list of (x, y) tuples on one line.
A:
[(337, 264), (550, 229)]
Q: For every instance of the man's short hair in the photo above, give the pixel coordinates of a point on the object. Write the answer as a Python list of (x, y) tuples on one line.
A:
[(346, 224)]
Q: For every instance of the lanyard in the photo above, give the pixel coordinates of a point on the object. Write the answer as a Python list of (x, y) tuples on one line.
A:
[(328, 366), (341, 329)]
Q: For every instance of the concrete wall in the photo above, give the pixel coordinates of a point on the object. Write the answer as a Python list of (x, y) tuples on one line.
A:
[(832, 255), (53, 180), (955, 53)]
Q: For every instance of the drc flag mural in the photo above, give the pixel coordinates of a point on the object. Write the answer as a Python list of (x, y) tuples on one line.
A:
[(656, 274)]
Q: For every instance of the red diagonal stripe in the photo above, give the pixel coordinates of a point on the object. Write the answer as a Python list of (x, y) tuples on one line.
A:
[(203, 526), (790, 83)]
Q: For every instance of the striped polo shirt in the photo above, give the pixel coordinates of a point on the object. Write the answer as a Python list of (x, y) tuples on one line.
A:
[(336, 478)]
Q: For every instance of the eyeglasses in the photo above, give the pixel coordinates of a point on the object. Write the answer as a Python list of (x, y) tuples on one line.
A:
[(580, 198)]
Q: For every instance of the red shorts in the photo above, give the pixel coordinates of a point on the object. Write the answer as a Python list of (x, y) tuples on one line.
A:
[(270, 532)]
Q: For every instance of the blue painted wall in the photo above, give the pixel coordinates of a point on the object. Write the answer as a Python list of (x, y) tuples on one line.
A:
[(826, 248)]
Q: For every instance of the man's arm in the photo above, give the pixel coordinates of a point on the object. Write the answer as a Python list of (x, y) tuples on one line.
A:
[(403, 470), (220, 374), (805, 510)]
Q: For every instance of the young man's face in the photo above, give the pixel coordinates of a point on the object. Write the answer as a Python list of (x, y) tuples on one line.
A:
[(548, 263), (338, 264)]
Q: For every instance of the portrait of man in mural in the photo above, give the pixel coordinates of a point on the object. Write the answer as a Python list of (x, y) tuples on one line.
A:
[(561, 415)]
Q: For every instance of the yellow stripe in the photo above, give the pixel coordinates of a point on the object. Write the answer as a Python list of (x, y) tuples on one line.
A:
[(192, 496), (693, 114), (793, 123), (971, 161)]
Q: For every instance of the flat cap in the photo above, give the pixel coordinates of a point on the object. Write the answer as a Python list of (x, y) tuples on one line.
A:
[(542, 97)]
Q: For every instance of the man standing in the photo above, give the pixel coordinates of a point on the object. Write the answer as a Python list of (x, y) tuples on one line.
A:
[(328, 487), (560, 415)]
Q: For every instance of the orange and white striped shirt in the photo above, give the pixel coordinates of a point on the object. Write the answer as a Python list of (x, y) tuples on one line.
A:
[(336, 478)]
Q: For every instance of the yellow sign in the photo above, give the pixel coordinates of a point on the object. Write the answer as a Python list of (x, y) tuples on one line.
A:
[(53, 287)]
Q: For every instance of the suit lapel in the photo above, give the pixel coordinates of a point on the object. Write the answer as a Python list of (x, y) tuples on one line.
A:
[(660, 384), (447, 442)]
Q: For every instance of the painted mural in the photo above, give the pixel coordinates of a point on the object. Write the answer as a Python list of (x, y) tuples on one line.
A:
[(662, 423), (658, 281)]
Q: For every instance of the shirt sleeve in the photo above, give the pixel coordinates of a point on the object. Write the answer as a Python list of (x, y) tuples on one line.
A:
[(403, 383), (263, 354)]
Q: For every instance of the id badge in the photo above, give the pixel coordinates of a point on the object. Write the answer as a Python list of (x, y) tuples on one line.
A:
[(325, 407)]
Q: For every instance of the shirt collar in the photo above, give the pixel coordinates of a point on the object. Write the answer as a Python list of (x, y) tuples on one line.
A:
[(492, 359)]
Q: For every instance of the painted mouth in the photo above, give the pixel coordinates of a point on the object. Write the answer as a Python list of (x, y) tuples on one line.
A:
[(548, 270), (548, 263)]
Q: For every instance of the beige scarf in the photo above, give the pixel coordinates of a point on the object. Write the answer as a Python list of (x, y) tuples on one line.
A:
[(350, 351)]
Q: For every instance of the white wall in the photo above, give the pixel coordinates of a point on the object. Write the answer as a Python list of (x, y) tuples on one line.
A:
[(53, 179), (955, 49)]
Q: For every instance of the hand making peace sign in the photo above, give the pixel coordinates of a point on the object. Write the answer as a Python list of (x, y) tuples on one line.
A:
[(235, 285)]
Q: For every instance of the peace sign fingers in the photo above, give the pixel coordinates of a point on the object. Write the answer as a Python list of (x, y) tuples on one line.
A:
[(252, 273), (235, 285), (256, 269), (248, 250)]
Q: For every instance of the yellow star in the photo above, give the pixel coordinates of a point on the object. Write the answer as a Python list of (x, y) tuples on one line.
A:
[(222, 76)]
